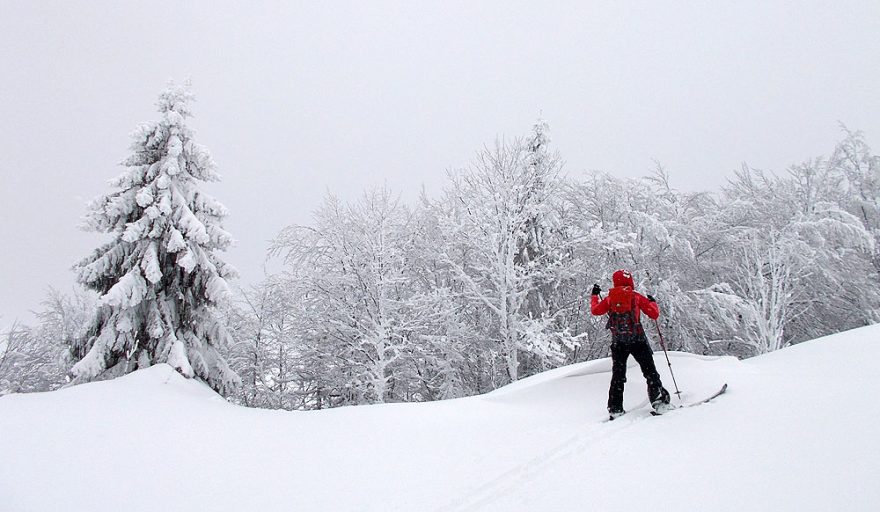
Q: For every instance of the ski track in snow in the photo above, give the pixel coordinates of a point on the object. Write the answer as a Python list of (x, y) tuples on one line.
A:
[(501, 484), (576, 444)]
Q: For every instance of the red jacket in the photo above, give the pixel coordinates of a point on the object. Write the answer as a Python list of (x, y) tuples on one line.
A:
[(600, 307), (623, 278)]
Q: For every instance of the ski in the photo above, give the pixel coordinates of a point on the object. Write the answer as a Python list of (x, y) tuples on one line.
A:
[(701, 402)]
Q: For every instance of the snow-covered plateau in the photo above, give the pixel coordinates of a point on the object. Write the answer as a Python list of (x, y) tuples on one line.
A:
[(797, 430)]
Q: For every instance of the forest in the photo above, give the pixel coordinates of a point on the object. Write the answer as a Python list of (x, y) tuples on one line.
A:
[(458, 293)]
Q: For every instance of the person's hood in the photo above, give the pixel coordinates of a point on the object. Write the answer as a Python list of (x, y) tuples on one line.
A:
[(623, 278)]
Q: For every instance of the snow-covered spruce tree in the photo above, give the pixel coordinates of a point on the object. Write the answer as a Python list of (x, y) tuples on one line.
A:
[(159, 277)]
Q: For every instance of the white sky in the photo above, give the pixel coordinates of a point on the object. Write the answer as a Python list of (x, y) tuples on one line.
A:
[(297, 98)]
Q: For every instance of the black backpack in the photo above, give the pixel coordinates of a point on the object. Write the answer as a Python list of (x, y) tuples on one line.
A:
[(622, 315)]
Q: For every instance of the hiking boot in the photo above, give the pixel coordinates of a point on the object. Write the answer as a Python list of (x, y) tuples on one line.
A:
[(661, 407), (612, 415)]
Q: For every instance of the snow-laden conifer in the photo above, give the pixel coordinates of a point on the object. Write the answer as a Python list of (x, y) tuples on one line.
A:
[(159, 276)]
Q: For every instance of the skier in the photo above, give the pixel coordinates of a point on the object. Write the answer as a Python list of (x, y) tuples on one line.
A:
[(624, 306)]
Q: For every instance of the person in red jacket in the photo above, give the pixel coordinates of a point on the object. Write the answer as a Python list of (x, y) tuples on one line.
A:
[(624, 307)]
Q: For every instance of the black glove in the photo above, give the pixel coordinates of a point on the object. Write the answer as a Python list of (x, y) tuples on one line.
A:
[(596, 289), (650, 298)]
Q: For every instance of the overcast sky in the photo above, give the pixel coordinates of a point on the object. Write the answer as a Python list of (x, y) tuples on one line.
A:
[(298, 98)]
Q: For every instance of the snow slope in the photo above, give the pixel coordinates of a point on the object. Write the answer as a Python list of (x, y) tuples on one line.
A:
[(796, 431)]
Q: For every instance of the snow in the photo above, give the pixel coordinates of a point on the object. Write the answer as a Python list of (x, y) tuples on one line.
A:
[(797, 430)]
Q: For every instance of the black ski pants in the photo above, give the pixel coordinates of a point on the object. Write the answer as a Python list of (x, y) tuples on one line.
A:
[(640, 349)]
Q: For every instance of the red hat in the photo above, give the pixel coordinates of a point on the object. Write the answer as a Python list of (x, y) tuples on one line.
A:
[(623, 278)]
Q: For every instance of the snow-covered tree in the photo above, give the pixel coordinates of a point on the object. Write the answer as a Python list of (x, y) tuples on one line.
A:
[(797, 259), (534, 249), (492, 219), (28, 363), (63, 316), (159, 277), (21, 364), (34, 357), (861, 170), (454, 359), (352, 267), (490, 282), (268, 352)]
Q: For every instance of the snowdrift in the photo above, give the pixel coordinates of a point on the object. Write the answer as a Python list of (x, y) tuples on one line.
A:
[(796, 431)]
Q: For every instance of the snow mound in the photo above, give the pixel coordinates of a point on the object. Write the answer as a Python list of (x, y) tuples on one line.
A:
[(794, 432)]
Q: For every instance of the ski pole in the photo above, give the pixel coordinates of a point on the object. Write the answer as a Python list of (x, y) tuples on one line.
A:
[(663, 344)]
